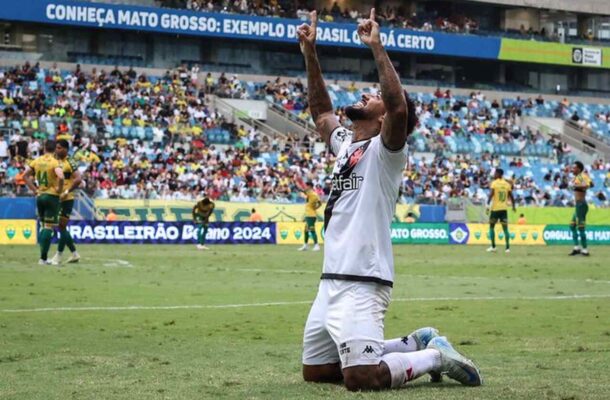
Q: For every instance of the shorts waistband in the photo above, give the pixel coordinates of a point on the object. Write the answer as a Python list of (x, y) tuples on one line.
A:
[(357, 278)]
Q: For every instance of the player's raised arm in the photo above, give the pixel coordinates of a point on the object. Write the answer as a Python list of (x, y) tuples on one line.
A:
[(394, 128), (319, 101)]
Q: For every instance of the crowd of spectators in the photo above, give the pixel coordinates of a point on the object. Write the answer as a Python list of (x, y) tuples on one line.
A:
[(178, 162), (495, 123), (438, 179), (391, 16)]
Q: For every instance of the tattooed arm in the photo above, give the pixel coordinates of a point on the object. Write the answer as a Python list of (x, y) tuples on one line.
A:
[(319, 101)]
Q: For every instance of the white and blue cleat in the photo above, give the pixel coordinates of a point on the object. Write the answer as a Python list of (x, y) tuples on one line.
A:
[(455, 365), (422, 337)]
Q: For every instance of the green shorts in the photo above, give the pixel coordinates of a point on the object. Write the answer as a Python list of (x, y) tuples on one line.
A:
[(500, 215), (48, 208), (201, 221), (580, 213), (65, 208), (310, 222)]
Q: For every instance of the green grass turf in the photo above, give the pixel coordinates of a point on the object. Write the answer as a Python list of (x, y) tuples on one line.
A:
[(532, 348)]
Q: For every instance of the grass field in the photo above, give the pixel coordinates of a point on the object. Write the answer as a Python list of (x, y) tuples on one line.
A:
[(169, 322)]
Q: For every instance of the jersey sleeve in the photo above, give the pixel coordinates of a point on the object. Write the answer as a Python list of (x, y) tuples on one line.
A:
[(493, 185), (390, 158), (338, 137)]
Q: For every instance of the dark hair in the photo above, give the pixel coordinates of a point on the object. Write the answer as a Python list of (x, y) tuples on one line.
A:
[(309, 184), (579, 165), (206, 201), (499, 171), (49, 146), (411, 115), (64, 143), (253, 210), (522, 215)]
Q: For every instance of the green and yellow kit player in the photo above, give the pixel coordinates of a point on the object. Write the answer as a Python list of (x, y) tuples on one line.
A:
[(312, 203), (72, 180), (501, 192), (47, 172), (201, 216), (580, 184)]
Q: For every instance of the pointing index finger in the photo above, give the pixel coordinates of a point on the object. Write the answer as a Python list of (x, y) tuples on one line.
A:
[(372, 16), (314, 19)]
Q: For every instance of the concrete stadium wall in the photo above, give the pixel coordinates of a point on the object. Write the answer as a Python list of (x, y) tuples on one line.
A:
[(601, 7)]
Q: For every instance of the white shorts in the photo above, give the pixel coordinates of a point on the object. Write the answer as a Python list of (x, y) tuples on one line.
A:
[(345, 324)]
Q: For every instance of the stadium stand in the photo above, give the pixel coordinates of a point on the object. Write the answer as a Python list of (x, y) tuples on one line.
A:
[(157, 137), (440, 19)]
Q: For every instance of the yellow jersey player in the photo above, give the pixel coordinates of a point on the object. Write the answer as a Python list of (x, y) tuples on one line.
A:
[(580, 184), (72, 180), (501, 192), (47, 171), (201, 216), (311, 205)]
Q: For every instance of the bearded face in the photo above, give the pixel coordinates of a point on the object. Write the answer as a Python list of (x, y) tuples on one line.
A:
[(370, 107)]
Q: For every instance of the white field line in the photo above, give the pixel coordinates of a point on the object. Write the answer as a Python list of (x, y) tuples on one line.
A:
[(113, 262), (116, 262), (290, 303), (301, 271)]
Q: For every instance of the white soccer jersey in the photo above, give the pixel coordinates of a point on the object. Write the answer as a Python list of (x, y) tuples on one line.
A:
[(360, 208)]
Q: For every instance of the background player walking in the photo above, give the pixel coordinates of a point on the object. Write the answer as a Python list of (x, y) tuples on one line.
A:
[(580, 184), (72, 180), (501, 192), (312, 204), (48, 173), (201, 216)]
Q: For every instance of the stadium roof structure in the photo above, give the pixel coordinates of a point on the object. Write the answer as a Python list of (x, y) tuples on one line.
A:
[(599, 7)]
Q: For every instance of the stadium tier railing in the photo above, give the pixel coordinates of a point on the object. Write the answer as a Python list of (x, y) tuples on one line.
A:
[(239, 115)]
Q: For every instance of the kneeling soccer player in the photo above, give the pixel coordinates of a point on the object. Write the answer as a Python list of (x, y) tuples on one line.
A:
[(344, 333)]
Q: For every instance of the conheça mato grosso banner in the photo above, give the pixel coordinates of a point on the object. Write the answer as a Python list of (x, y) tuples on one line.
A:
[(197, 23)]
